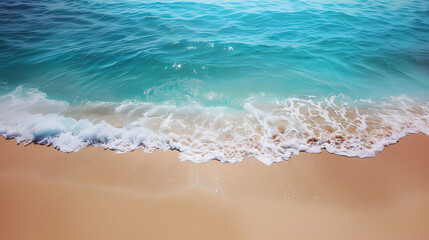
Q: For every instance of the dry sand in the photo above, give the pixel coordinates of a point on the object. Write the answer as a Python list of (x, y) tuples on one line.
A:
[(98, 194)]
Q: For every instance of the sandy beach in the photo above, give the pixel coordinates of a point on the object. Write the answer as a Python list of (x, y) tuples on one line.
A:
[(223, 120), (99, 194)]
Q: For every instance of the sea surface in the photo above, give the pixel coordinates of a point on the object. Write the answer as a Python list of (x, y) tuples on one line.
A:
[(220, 80)]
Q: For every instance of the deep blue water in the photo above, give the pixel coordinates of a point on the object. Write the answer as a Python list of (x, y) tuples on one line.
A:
[(247, 78)]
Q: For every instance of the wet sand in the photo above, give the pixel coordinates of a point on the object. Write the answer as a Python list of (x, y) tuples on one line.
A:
[(99, 194)]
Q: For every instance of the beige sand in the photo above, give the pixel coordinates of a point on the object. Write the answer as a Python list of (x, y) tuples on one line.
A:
[(98, 194)]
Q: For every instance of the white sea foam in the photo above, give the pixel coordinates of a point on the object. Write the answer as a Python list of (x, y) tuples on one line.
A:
[(270, 130)]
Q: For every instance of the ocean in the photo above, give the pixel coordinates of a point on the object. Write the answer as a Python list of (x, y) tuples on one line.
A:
[(215, 80)]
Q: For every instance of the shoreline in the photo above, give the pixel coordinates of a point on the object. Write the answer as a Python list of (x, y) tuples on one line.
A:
[(271, 129), (94, 193)]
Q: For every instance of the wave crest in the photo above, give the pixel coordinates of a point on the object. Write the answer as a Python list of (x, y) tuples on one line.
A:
[(268, 129)]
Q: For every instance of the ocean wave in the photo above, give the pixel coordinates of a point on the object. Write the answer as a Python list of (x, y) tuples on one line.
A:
[(269, 129), (117, 50)]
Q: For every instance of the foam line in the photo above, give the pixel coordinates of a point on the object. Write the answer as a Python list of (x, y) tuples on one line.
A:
[(269, 129)]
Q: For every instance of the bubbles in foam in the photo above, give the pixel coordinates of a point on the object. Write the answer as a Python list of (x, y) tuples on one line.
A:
[(268, 129)]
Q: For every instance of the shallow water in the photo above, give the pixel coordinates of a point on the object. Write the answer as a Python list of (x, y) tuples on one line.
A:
[(215, 79)]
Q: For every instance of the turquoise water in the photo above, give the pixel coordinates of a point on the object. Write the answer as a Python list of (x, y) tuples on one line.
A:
[(175, 67)]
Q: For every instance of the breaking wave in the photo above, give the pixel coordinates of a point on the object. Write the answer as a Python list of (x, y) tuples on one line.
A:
[(267, 128)]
